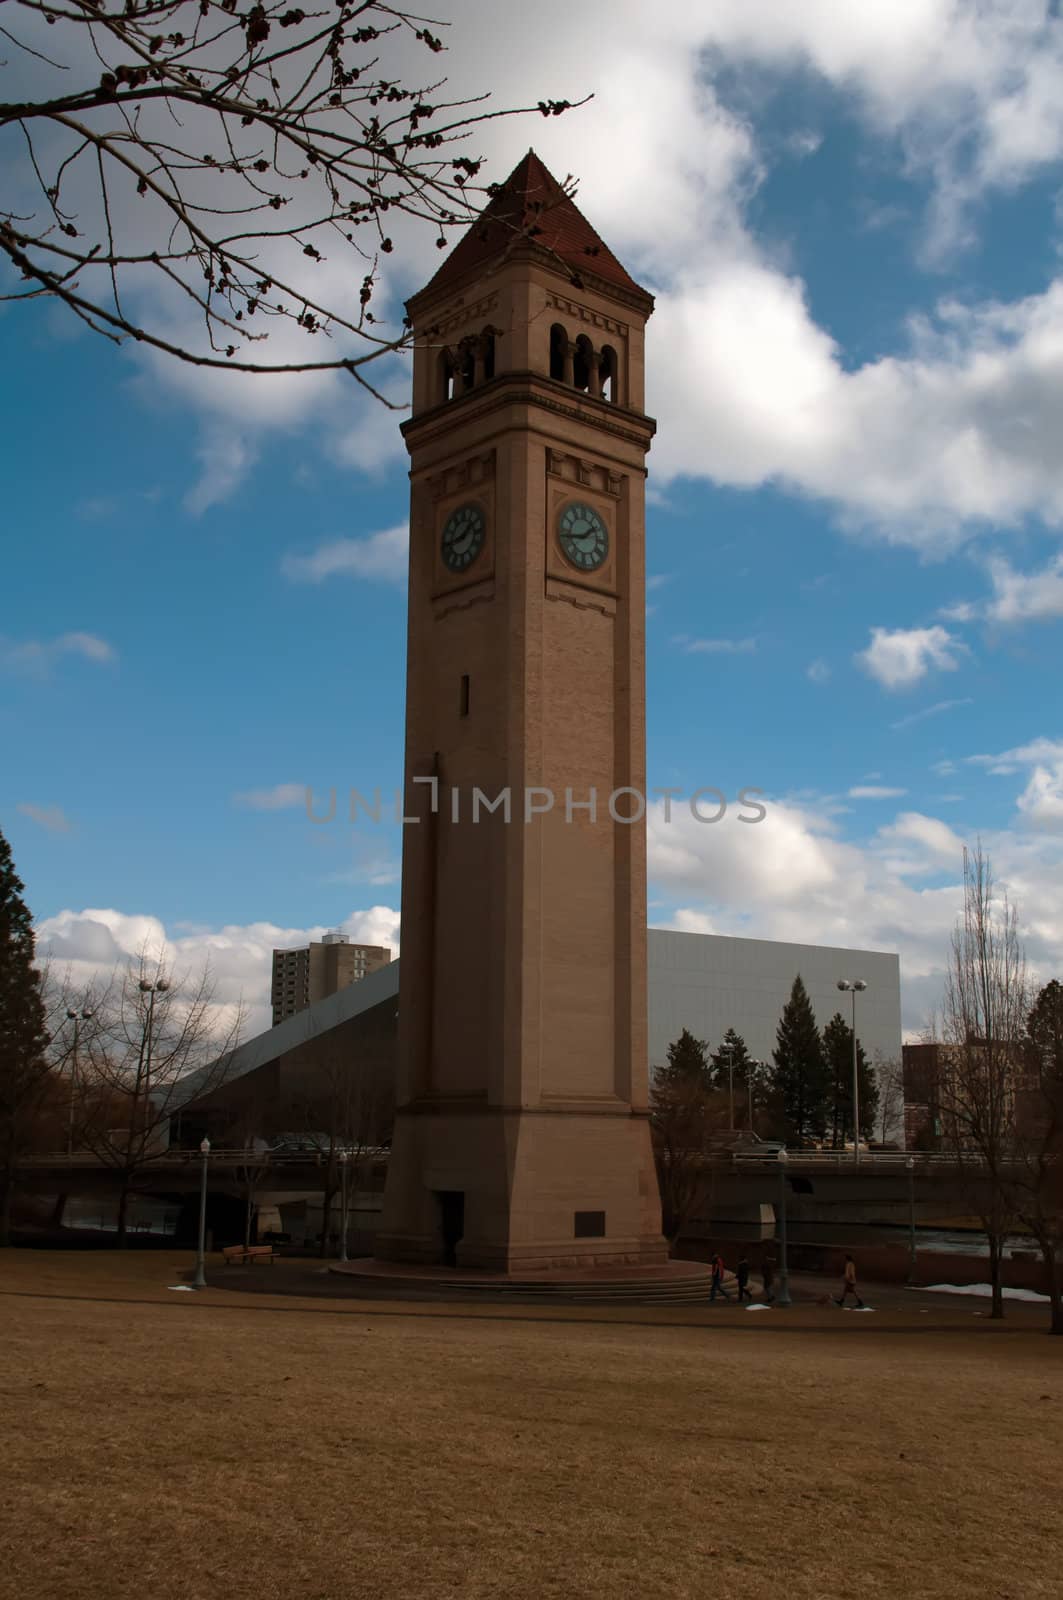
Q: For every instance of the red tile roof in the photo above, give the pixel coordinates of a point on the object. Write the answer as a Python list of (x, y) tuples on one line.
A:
[(532, 204)]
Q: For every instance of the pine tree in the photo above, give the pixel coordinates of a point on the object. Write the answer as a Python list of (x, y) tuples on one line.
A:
[(688, 1059), (731, 1070), (1045, 1030), (731, 1059), (838, 1054), (800, 1075), (23, 1070)]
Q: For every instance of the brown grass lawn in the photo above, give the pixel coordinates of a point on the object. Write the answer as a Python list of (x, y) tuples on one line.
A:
[(238, 1445)]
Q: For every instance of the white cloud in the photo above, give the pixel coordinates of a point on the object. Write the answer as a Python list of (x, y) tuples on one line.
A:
[(901, 657), (225, 458), (936, 710), (1023, 596), (873, 791), (818, 671), (42, 655), (282, 797), (717, 647), (380, 556), (1040, 804), (93, 942), (53, 818), (793, 877)]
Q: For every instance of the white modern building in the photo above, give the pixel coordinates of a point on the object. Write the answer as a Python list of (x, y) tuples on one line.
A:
[(710, 982)]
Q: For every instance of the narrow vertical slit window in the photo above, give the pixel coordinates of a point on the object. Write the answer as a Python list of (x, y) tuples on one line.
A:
[(465, 694)]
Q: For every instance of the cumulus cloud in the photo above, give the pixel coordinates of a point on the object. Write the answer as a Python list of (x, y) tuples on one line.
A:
[(53, 818), (818, 671), (872, 791), (93, 943), (381, 557), (794, 877), (1017, 596), (901, 657), (1040, 804)]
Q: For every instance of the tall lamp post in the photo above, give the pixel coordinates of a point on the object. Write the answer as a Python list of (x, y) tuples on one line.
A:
[(343, 1204), (783, 1296), (910, 1164), (854, 988), (751, 1068), (160, 986), (730, 1082), (76, 1017), (200, 1279)]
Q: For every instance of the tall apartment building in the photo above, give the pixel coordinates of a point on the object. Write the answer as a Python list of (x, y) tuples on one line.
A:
[(302, 977)]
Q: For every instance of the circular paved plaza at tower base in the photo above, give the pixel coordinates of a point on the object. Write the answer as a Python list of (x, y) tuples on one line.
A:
[(671, 1282), (163, 1444)]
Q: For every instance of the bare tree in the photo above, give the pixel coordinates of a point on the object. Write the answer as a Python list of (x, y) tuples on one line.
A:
[(984, 1016), (155, 1030), (1034, 1178), (689, 1125), (172, 157), (889, 1076)]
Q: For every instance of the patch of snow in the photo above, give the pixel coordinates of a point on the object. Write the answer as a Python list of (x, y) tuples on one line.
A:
[(758, 1308), (182, 1288), (985, 1291)]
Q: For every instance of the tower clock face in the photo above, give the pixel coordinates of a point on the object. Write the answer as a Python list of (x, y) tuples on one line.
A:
[(463, 537), (583, 536)]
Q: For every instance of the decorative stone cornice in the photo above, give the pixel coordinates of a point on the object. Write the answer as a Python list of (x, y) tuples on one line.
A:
[(530, 388)]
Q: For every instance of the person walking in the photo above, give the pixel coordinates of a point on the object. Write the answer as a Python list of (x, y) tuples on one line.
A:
[(849, 1284), (744, 1291), (717, 1278), (767, 1272)]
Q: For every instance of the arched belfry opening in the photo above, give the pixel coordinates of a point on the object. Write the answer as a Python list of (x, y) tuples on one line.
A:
[(560, 357), (609, 374)]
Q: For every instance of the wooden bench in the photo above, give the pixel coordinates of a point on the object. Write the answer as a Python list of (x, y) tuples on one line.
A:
[(246, 1255)]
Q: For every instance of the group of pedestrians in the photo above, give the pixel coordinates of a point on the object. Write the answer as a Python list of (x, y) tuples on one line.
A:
[(744, 1292), (741, 1279)]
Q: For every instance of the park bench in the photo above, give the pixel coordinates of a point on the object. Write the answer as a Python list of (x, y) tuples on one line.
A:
[(247, 1255)]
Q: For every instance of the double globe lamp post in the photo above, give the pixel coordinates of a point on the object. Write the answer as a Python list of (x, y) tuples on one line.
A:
[(854, 989)]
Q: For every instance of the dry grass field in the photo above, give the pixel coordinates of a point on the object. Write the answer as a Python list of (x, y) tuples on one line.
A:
[(230, 1445)]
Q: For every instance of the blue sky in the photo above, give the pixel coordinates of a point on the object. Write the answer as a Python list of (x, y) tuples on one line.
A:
[(852, 227)]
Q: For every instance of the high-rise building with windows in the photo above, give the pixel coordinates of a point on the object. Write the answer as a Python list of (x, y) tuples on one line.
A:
[(302, 977)]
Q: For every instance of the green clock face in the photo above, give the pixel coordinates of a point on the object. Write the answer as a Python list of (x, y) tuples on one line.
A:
[(463, 537), (584, 536)]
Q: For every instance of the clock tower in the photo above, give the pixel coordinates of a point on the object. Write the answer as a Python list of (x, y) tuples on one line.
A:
[(522, 1140)]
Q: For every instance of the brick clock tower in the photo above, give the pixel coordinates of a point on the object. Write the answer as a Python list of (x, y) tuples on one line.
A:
[(522, 1142)]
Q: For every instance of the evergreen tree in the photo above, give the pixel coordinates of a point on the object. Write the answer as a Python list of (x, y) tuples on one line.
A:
[(731, 1059), (731, 1067), (838, 1054), (688, 1060), (24, 1072), (800, 1075), (1044, 1028)]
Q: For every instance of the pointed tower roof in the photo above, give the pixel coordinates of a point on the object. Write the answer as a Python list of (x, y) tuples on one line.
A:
[(531, 205)]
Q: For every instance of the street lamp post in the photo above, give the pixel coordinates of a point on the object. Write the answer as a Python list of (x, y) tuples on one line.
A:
[(343, 1204), (783, 1296), (76, 1017), (730, 1081), (910, 1164), (855, 988), (200, 1279), (152, 989)]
